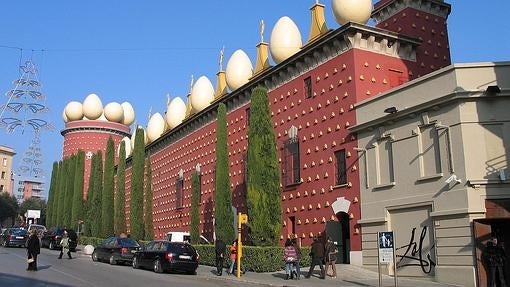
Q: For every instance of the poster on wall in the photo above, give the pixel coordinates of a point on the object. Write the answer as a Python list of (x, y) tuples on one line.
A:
[(386, 248)]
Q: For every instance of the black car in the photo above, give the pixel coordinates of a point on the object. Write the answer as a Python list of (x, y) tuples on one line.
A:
[(14, 237), (52, 238), (165, 256), (116, 250)]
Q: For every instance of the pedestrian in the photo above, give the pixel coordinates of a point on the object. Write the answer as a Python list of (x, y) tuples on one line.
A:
[(289, 256), (220, 248), (33, 249), (233, 257), (494, 258), (331, 251), (296, 263), (317, 256), (64, 243)]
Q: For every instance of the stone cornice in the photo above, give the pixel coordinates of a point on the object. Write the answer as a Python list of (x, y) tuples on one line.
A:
[(330, 45), (434, 7)]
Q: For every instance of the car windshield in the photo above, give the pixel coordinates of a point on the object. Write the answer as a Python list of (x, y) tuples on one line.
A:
[(20, 232), (127, 242)]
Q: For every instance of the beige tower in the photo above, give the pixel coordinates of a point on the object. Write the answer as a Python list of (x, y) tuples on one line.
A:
[(6, 155)]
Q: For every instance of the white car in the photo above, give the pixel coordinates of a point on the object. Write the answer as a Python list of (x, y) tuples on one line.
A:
[(179, 236)]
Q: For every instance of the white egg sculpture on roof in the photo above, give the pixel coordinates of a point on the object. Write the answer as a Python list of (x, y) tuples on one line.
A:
[(352, 11), (239, 70), (129, 113), (175, 112), (127, 147), (73, 111), (114, 112), (133, 137), (202, 94), (92, 107), (155, 127), (64, 117), (285, 39)]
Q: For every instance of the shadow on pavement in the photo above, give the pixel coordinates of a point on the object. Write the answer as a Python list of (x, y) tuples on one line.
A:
[(20, 281)]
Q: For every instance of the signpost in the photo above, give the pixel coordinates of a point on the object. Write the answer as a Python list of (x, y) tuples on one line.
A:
[(242, 219), (386, 254)]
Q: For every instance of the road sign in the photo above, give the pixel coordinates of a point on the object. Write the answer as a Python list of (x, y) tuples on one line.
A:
[(385, 240)]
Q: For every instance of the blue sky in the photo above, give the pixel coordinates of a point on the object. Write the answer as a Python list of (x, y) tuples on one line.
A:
[(139, 51)]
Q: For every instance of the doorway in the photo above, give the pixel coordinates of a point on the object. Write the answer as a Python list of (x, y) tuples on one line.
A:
[(339, 231)]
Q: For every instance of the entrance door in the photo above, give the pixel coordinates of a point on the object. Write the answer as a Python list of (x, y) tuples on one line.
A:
[(339, 233)]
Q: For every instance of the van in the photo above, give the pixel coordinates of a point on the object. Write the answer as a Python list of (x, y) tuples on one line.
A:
[(179, 236)]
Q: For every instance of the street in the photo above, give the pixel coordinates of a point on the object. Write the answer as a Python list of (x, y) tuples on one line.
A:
[(82, 271)]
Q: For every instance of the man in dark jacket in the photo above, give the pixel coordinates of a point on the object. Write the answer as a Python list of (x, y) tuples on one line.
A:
[(220, 247), (33, 249), (317, 254), (495, 260)]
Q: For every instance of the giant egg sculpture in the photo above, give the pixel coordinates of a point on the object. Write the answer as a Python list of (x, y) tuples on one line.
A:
[(239, 70), (92, 107), (64, 117), (155, 127), (285, 39), (175, 112), (129, 113), (114, 112), (74, 111), (352, 11), (202, 94)]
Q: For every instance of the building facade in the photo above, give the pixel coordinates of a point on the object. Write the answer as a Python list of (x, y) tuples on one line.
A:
[(6, 156), (28, 187), (434, 170)]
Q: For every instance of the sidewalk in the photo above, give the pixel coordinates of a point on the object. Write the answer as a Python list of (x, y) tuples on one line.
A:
[(348, 276)]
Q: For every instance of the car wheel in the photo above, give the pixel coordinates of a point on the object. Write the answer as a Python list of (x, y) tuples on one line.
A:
[(135, 263), (112, 260), (94, 256), (157, 266), (51, 246)]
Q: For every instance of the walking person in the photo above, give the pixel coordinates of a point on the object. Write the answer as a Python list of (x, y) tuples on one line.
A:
[(289, 256), (296, 263), (64, 243), (317, 254), (233, 257), (331, 252), (220, 248), (33, 249), (495, 259)]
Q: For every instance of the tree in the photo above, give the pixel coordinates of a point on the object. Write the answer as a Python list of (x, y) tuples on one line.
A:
[(51, 195), (223, 216), (34, 203), (69, 191), (195, 215), (89, 217), (263, 186), (136, 202), (61, 192), (8, 207), (77, 211), (120, 200), (96, 207), (107, 202), (149, 226)]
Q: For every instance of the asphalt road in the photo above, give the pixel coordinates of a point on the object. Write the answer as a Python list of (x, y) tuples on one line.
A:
[(82, 271)]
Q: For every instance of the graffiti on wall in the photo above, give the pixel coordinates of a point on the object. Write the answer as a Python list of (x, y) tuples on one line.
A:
[(412, 254)]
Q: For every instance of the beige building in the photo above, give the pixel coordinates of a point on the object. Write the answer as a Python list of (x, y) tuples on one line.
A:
[(433, 157), (6, 155)]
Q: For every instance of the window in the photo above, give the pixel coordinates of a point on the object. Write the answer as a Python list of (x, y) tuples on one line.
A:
[(291, 225), (4, 162), (3, 175), (179, 187), (430, 158), (341, 167), (248, 117), (308, 87), (384, 162), (291, 170)]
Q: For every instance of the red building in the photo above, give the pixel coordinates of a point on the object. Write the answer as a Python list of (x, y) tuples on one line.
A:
[(312, 96)]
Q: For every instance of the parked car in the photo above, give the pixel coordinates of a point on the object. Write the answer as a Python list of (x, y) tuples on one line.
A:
[(52, 238), (179, 236), (165, 256), (116, 250), (14, 237)]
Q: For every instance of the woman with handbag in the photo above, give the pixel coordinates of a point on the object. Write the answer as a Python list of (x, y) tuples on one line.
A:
[(33, 249), (290, 257)]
